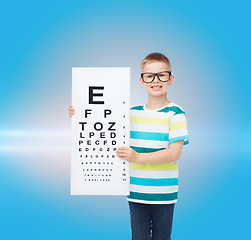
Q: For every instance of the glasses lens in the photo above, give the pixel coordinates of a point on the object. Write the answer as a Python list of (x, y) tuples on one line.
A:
[(148, 77), (164, 76)]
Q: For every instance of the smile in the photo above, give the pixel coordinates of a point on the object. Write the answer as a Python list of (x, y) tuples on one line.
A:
[(157, 87)]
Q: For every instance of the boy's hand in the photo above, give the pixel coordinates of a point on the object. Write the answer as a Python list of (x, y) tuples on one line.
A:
[(128, 154), (71, 110)]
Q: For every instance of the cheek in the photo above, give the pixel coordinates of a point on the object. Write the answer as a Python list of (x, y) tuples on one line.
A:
[(147, 87), (165, 88)]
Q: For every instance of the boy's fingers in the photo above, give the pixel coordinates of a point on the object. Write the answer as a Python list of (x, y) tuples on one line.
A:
[(121, 154), (124, 148), (70, 106), (122, 151)]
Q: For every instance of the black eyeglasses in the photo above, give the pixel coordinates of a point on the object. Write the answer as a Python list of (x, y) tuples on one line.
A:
[(163, 76)]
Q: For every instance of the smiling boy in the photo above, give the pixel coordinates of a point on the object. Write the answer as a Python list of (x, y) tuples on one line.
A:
[(158, 131)]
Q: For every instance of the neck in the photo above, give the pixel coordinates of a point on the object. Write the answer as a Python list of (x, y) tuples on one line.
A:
[(157, 102)]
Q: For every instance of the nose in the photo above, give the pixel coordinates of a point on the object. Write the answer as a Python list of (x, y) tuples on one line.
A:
[(155, 78)]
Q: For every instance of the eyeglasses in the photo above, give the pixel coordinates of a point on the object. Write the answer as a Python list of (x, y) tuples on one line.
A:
[(162, 76)]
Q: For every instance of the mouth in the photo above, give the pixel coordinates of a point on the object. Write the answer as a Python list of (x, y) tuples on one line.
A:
[(156, 87)]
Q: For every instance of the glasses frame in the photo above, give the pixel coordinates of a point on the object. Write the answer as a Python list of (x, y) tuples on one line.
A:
[(154, 75)]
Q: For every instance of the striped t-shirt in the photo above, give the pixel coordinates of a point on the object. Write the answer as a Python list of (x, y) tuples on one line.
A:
[(151, 131)]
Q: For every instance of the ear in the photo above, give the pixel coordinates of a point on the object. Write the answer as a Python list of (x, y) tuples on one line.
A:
[(141, 82), (171, 80)]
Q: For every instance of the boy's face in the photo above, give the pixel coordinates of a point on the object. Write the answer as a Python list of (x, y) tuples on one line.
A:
[(156, 67)]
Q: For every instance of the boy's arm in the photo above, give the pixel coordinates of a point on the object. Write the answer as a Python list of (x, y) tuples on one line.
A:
[(171, 154)]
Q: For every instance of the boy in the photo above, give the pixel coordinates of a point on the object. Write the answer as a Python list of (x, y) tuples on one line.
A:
[(158, 131)]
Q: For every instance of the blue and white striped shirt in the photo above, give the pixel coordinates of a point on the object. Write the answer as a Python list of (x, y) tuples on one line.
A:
[(150, 131)]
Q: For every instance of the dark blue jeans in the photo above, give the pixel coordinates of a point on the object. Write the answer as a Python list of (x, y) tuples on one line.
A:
[(151, 221)]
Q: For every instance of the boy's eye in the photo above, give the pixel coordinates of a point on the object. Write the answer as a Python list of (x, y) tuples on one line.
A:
[(149, 76), (161, 75)]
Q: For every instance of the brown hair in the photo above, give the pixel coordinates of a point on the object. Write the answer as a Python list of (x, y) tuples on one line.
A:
[(155, 57)]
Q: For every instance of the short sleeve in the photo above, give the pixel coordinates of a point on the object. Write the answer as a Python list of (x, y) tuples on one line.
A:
[(178, 128)]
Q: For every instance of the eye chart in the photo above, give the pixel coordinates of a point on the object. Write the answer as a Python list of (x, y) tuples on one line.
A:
[(101, 124)]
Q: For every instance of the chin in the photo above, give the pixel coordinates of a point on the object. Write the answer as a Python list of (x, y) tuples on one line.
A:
[(157, 93)]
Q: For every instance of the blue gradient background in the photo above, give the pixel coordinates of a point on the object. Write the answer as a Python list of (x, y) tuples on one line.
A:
[(208, 44)]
